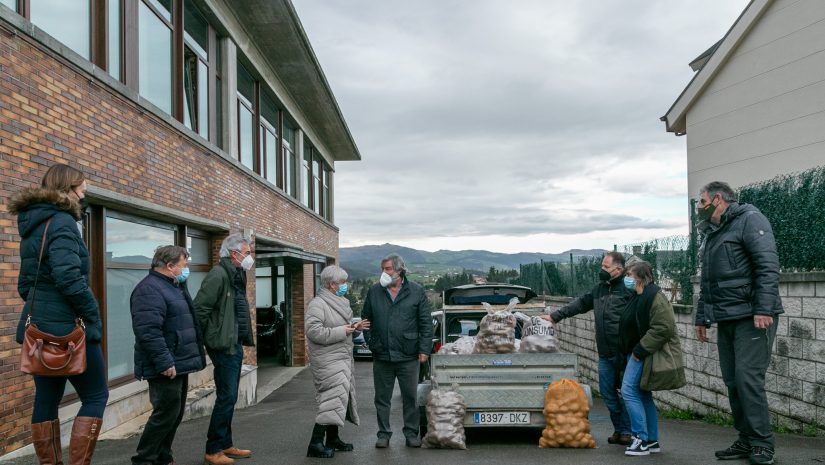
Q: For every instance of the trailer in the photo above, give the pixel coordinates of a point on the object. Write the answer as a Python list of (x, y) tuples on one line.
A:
[(500, 390)]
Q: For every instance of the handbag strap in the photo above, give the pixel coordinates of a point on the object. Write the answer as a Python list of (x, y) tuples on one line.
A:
[(37, 275)]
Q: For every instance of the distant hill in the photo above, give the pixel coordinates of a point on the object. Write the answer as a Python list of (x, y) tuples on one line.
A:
[(364, 261)]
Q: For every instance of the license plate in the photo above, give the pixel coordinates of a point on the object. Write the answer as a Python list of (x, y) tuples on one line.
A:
[(363, 351), (501, 418)]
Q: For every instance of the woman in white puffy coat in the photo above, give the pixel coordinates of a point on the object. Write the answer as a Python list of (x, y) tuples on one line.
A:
[(329, 333)]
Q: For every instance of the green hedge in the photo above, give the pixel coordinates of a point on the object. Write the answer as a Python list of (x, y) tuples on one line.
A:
[(795, 206)]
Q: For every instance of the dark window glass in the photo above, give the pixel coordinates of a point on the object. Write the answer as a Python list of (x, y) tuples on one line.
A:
[(219, 112), (246, 84), (164, 8), (196, 30), (327, 197), (114, 38), (155, 59), (68, 22)]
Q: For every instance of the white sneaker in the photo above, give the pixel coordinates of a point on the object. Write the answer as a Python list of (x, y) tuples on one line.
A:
[(637, 447)]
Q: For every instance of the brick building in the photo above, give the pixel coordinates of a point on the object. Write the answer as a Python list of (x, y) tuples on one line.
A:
[(192, 119)]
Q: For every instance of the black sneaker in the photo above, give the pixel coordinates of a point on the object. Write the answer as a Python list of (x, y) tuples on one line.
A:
[(761, 455), (737, 450), (637, 447), (653, 447)]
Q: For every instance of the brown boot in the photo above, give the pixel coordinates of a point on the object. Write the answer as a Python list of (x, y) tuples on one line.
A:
[(46, 441), (84, 438), (218, 458)]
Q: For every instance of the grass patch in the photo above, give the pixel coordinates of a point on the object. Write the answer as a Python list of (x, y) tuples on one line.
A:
[(811, 430), (678, 414)]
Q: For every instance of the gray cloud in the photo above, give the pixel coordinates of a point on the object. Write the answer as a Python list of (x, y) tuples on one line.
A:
[(513, 118)]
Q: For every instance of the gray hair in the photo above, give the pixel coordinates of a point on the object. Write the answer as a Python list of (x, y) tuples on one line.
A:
[(333, 274), (397, 263), (642, 271), (718, 187), (233, 242), (167, 254)]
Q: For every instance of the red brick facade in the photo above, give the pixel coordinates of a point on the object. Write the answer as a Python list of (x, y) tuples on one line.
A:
[(52, 112)]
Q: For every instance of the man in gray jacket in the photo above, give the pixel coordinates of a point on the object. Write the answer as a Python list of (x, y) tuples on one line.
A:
[(400, 339), (740, 292)]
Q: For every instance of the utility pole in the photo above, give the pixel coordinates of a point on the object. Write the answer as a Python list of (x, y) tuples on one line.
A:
[(572, 277)]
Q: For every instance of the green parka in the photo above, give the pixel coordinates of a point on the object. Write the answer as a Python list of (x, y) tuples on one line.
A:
[(215, 309)]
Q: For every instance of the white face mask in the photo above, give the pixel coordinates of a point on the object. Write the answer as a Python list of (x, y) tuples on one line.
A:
[(247, 263), (385, 279)]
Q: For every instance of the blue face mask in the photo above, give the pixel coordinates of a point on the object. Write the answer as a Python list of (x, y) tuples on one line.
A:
[(342, 290), (629, 283), (183, 276)]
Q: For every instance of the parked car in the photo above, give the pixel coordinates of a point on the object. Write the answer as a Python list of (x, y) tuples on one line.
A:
[(360, 349)]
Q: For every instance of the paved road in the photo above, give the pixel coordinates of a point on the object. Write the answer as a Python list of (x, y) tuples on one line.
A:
[(278, 431)]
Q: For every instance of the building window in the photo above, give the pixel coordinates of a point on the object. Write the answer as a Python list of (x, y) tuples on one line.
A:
[(246, 118), (290, 163), (155, 52), (9, 3), (318, 268), (327, 194), (196, 71), (269, 142), (130, 245), (306, 176), (68, 22), (316, 183), (200, 255), (114, 38)]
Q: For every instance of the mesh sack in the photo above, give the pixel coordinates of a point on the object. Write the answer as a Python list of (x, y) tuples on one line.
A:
[(445, 420), (565, 412), (497, 331)]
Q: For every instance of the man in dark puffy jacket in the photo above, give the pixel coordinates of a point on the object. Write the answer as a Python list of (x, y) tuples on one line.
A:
[(740, 292), (400, 339), (167, 348), (607, 300)]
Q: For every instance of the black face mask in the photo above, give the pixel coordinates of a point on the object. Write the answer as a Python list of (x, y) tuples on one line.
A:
[(604, 276)]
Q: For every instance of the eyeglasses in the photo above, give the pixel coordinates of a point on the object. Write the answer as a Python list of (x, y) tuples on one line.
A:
[(243, 254)]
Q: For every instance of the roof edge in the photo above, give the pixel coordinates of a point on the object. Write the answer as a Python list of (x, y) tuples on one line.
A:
[(675, 117)]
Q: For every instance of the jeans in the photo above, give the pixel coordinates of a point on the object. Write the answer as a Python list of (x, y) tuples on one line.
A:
[(644, 421), (91, 387), (168, 398), (744, 356), (227, 377), (384, 375), (609, 390)]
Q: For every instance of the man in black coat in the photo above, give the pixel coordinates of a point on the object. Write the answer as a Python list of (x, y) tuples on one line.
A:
[(168, 347), (607, 300), (740, 292), (400, 338)]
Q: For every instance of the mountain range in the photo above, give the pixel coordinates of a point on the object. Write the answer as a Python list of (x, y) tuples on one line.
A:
[(365, 261)]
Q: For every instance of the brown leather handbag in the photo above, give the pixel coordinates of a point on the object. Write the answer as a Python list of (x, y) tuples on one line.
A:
[(45, 354)]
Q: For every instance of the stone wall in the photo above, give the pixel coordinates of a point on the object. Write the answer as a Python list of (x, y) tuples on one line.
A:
[(795, 381)]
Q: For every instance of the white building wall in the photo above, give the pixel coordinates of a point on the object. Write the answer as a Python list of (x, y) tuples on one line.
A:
[(764, 113)]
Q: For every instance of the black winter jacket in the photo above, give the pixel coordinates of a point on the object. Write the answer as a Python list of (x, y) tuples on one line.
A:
[(166, 330), (607, 300), (740, 268), (400, 330), (63, 292)]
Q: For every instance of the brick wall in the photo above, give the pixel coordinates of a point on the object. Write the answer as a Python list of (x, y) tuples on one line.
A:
[(795, 382), (52, 112)]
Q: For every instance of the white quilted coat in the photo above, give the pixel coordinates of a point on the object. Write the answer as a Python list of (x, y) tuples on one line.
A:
[(330, 358)]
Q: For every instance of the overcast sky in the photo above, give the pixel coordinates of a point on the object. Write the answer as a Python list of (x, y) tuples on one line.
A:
[(518, 125)]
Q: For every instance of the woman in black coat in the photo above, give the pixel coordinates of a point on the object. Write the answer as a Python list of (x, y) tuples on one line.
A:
[(62, 296)]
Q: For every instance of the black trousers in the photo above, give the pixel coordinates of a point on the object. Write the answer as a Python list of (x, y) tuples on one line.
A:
[(384, 376), (744, 356), (168, 398)]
